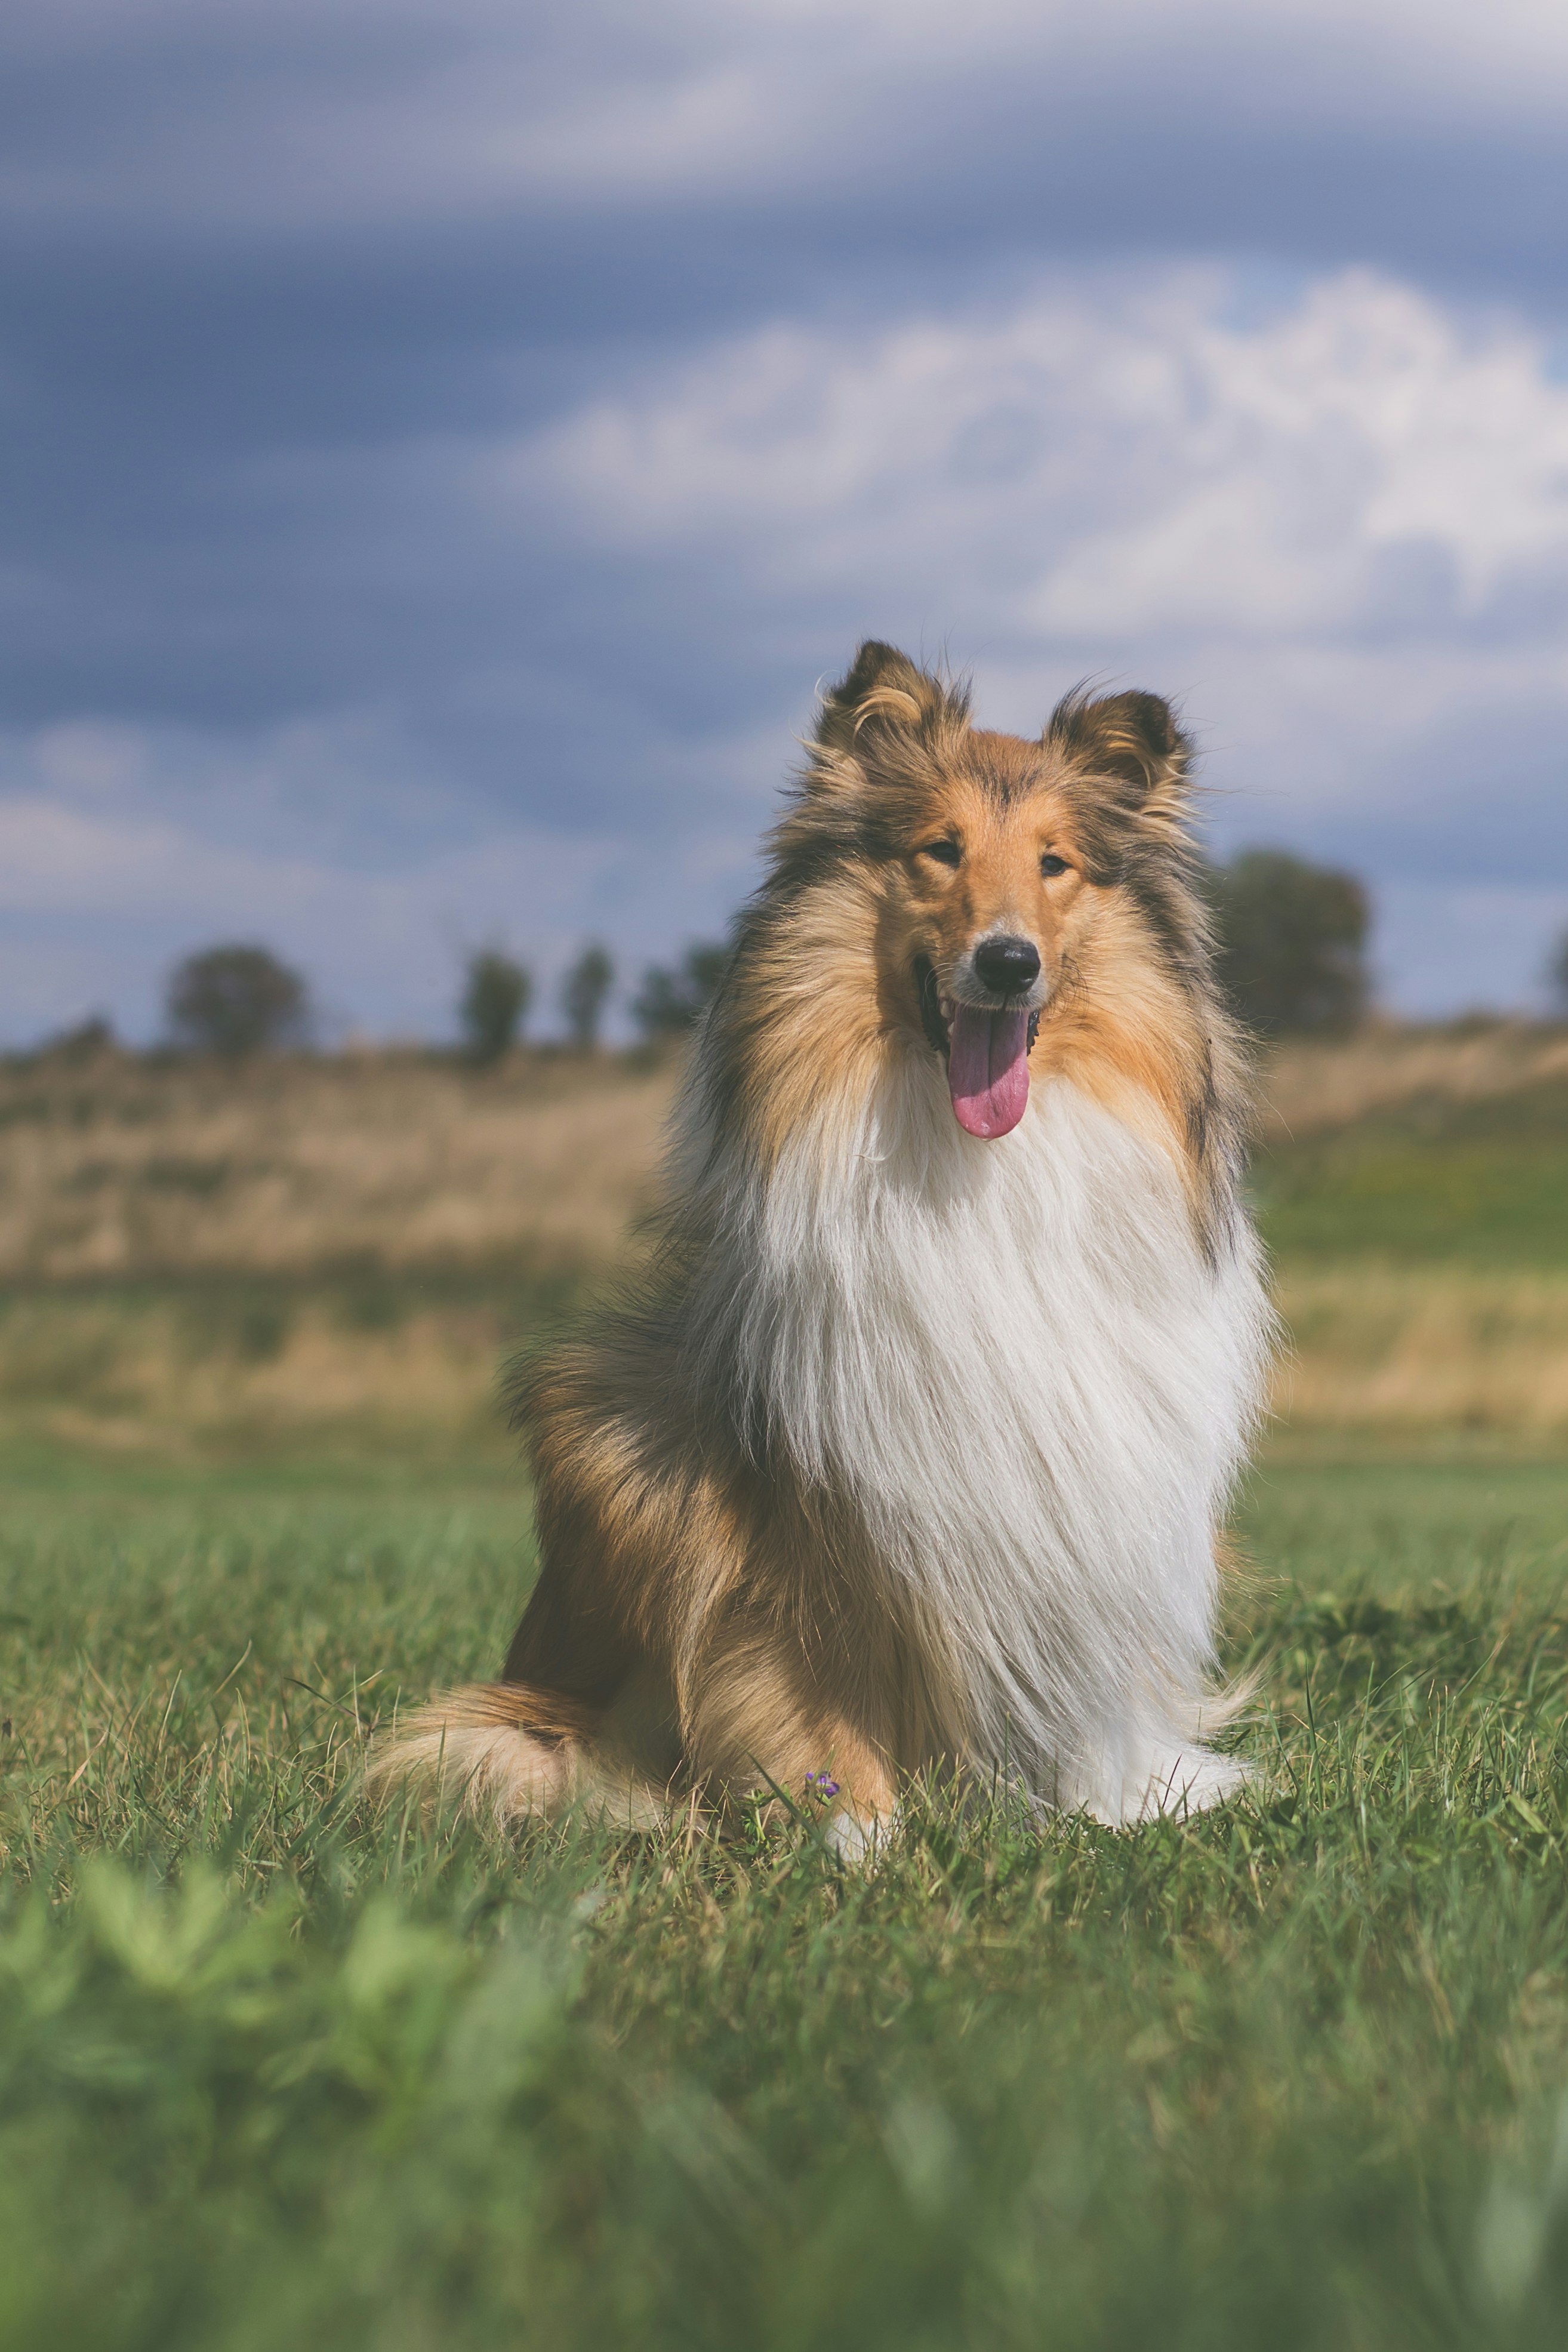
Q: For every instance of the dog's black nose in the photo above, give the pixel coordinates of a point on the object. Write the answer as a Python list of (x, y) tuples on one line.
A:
[(1006, 965)]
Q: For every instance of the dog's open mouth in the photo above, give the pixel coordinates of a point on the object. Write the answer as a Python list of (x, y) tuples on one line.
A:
[(987, 1054)]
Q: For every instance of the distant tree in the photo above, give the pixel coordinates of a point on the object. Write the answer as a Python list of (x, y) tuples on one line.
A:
[(1557, 974), (1291, 940), (494, 1004), (86, 1041), (237, 1000), (583, 995), (670, 1001)]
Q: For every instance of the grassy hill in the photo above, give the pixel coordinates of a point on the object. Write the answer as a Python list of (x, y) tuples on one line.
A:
[(1413, 1189), (1428, 1179), (311, 1167), (301, 1251), (340, 1252)]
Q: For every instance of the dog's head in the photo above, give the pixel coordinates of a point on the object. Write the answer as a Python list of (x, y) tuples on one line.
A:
[(1003, 878)]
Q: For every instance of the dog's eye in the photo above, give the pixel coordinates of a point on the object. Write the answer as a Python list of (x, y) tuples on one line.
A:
[(1051, 864), (946, 853)]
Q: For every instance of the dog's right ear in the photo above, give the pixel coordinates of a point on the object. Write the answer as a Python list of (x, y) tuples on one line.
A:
[(884, 695)]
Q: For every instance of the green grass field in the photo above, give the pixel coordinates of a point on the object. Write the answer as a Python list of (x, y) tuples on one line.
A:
[(1434, 1183), (277, 2072)]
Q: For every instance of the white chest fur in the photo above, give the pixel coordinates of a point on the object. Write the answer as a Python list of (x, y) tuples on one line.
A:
[(1015, 1361)]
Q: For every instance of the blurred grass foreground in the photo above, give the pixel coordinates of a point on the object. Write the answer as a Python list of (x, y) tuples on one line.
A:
[(201, 1257)]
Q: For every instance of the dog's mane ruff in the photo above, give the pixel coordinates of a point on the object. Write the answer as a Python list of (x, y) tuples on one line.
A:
[(1033, 1392)]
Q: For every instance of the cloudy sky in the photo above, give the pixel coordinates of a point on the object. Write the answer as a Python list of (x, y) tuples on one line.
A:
[(446, 442)]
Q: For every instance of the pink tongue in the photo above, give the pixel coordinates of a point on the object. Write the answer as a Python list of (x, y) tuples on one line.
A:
[(987, 1069)]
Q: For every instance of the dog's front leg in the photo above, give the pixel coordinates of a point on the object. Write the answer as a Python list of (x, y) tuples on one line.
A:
[(755, 1720)]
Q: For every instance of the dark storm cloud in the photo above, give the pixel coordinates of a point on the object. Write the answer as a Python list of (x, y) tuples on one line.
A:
[(223, 357)]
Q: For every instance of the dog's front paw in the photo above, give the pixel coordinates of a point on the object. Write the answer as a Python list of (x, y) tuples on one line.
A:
[(1189, 1780), (859, 1840)]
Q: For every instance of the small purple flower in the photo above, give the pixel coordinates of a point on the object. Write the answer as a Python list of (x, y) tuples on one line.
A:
[(817, 1784)]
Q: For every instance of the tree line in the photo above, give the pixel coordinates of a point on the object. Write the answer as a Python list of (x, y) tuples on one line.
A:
[(238, 1000), (497, 995), (1290, 941)]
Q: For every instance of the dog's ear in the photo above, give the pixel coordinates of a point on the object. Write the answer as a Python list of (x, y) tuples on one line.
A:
[(883, 696), (1131, 743)]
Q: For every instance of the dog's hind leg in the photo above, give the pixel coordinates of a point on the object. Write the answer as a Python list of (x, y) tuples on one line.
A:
[(495, 1748), (508, 1749)]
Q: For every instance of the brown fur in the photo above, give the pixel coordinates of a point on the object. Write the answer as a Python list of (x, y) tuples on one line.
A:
[(706, 1626)]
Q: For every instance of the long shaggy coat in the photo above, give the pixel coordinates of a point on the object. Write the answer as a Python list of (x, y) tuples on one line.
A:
[(910, 1448)]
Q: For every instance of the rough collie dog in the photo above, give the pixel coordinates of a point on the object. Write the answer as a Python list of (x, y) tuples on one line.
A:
[(911, 1449)]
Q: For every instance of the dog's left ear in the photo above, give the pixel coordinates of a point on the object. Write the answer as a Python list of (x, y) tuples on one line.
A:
[(1134, 742)]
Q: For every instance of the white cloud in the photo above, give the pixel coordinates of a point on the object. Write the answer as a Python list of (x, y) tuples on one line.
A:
[(54, 859), (86, 756), (1102, 466)]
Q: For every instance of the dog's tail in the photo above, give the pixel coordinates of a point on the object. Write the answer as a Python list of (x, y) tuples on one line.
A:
[(507, 1750)]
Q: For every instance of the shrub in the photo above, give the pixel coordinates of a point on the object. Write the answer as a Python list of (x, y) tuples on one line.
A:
[(494, 1004), (582, 996), (1292, 941), (87, 1041), (1557, 974), (237, 1000), (669, 1002)]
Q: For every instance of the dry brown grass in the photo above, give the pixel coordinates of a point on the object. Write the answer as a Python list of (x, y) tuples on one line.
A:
[(127, 1167), (1307, 1085), (123, 1172), (124, 1168), (134, 1377), (1396, 1349), (1393, 1351)]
